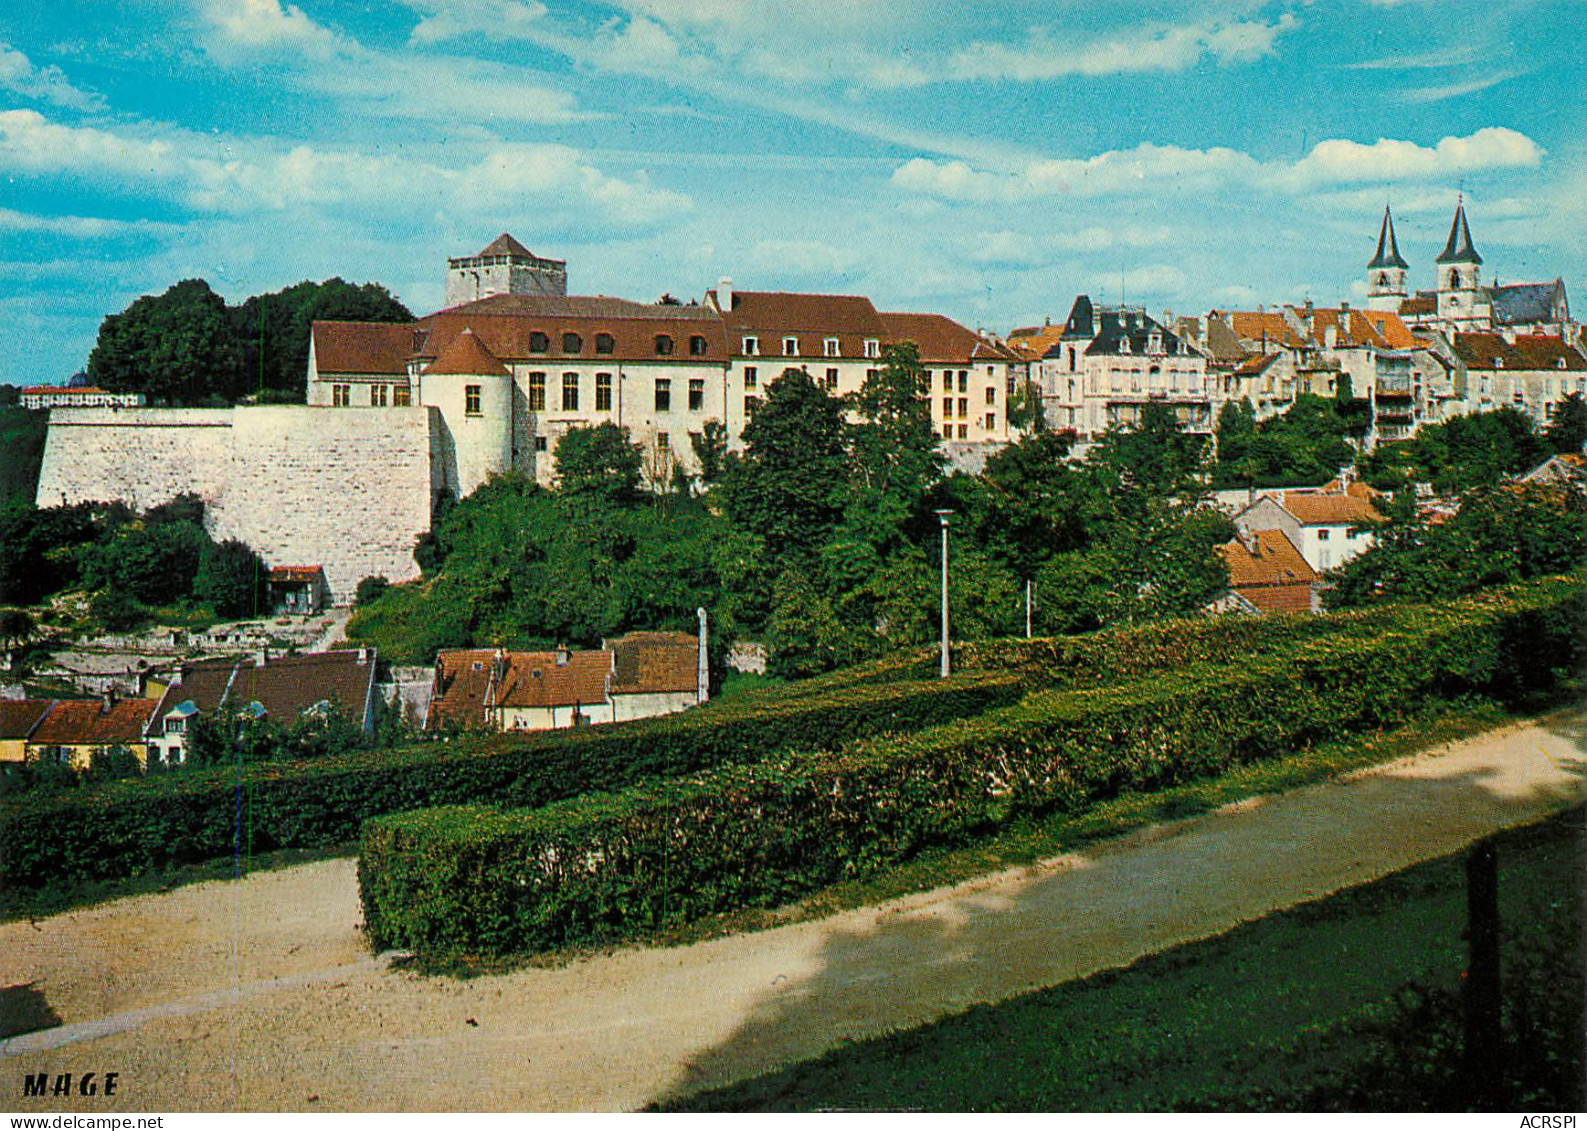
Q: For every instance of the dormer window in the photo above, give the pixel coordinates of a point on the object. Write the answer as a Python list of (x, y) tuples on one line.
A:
[(751, 346), (1124, 345), (873, 347), (697, 345), (538, 342), (1155, 344), (572, 343), (663, 345), (790, 347), (604, 343), (829, 347)]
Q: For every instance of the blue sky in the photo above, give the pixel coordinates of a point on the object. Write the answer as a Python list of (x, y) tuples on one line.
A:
[(984, 161)]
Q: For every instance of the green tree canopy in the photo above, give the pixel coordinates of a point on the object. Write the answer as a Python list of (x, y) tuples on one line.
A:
[(175, 348), (272, 330), (598, 466), (1567, 432)]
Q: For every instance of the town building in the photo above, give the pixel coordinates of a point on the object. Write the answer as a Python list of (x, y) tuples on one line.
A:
[(279, 689), (1267, 574), (297, 590), (73, 731), (1529, 373), (632, 677), (1327, 528), (76, 396), (19, 718)]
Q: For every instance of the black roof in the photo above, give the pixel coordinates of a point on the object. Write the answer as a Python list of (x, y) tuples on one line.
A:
[(1459, 249), (1388, 250), (1082, 322), (1520, 303), (1135, 326)]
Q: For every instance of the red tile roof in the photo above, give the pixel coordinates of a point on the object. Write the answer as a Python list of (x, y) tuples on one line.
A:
[(1314, 508), (1528, 352), (286, 573), (1256, 326), (72, 389), (362, 347), (85, 722), (535, 679), (510, 336), (1272, 559), (466, 355), (941, 339), (651, 663), (1419, 306), (18, 717), (285, 686), (506, 245)]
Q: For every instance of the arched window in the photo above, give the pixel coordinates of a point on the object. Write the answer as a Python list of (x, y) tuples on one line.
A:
[(663, 345)]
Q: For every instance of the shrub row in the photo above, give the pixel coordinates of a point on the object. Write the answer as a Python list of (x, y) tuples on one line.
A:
[(124, 828), (610, 866)]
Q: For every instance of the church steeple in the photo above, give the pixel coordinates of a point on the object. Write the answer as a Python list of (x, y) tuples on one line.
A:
[(1458, 249), (1386, 272)]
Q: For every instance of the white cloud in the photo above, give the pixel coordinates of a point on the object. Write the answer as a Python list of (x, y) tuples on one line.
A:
[(80, 227), (21, 76), (805, 257), (244, 28), (1149, 169), (30, 143), (1424, 94)]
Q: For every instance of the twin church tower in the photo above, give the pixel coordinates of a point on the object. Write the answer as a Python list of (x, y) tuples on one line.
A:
[(1462, 304)]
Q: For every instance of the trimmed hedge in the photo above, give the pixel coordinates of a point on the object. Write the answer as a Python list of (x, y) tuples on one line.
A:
[(608, 867), (196, 814)]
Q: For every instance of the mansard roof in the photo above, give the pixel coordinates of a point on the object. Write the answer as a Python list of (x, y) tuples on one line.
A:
[(1388, 249), (513, 336), (1458, 249), (466, 355), (1115, 327), (1521, 303), (1081, 322)]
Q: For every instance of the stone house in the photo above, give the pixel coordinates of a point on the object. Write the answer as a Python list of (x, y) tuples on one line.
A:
[(1327, 529)]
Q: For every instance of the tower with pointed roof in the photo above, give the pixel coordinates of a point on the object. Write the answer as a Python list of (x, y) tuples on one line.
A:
[(504, 267), (1461, 304), (1386, 272)]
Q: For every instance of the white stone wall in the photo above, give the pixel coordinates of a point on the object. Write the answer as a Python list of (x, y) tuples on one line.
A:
[(301, 485)]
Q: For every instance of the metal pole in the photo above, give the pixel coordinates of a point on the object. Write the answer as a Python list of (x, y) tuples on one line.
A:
[(1028, 583), (942, 516)]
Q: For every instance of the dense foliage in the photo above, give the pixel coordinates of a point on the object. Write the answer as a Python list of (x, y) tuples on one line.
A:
[(127, 828), (820, 537), (1498, 536), (1305, 444), (1455, 455), (186, 346), (134, 562), (22, 434), (609, 866)]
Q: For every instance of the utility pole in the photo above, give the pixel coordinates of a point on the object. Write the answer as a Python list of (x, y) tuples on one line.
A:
[(1029, 582), (942, 516)]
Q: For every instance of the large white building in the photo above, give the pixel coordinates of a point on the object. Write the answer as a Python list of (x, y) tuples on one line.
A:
[(510, 373)]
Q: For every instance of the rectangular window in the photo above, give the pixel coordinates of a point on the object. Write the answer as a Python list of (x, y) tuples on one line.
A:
[(697, 345), (964, 380), (696, 393), (663, 345), (964, 432), (604, 343), (377, 396), (401, 396), (537, 392), (873, 347), (603, 392), (872, 374), (832, 380), (1322, 536), (829, 348), (750, 405), (751, 346), (947, 431), (751, 377), (663, 442), (991, 394), (341, 395), (540, 443), (570, 392), (663, 394), (991, 421), (471, 400), (947, 380), (964, 407), (947, 407), (790, 347)]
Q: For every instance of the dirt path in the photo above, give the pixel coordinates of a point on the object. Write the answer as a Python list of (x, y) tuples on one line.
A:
[(258, 994)]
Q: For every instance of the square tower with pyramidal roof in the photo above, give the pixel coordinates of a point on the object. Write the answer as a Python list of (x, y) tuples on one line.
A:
[(504, 267)]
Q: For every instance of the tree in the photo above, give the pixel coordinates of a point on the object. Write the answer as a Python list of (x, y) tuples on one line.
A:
[(787, 486), (1030, 503), (230, 579), (804, 636), (710, 450), (273, 330), (1567, 432), (893, 446), (175, 348), (598, 466), (369, 590), (15, 627), (1154, 456)]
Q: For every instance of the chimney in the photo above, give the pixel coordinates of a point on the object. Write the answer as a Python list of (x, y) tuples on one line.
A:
[(363, 656), (261, 657), (724, 294), (563, 655), (107, 701), (703, 674)]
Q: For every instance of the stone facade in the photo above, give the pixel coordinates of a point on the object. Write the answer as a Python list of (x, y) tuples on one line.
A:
[(349, 491)]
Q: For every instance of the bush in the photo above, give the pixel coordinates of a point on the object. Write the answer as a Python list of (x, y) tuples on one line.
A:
[(614, 865), (369, 590), (125, 828)]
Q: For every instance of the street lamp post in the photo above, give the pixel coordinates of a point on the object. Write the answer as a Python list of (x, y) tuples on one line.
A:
[(942, 517)]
